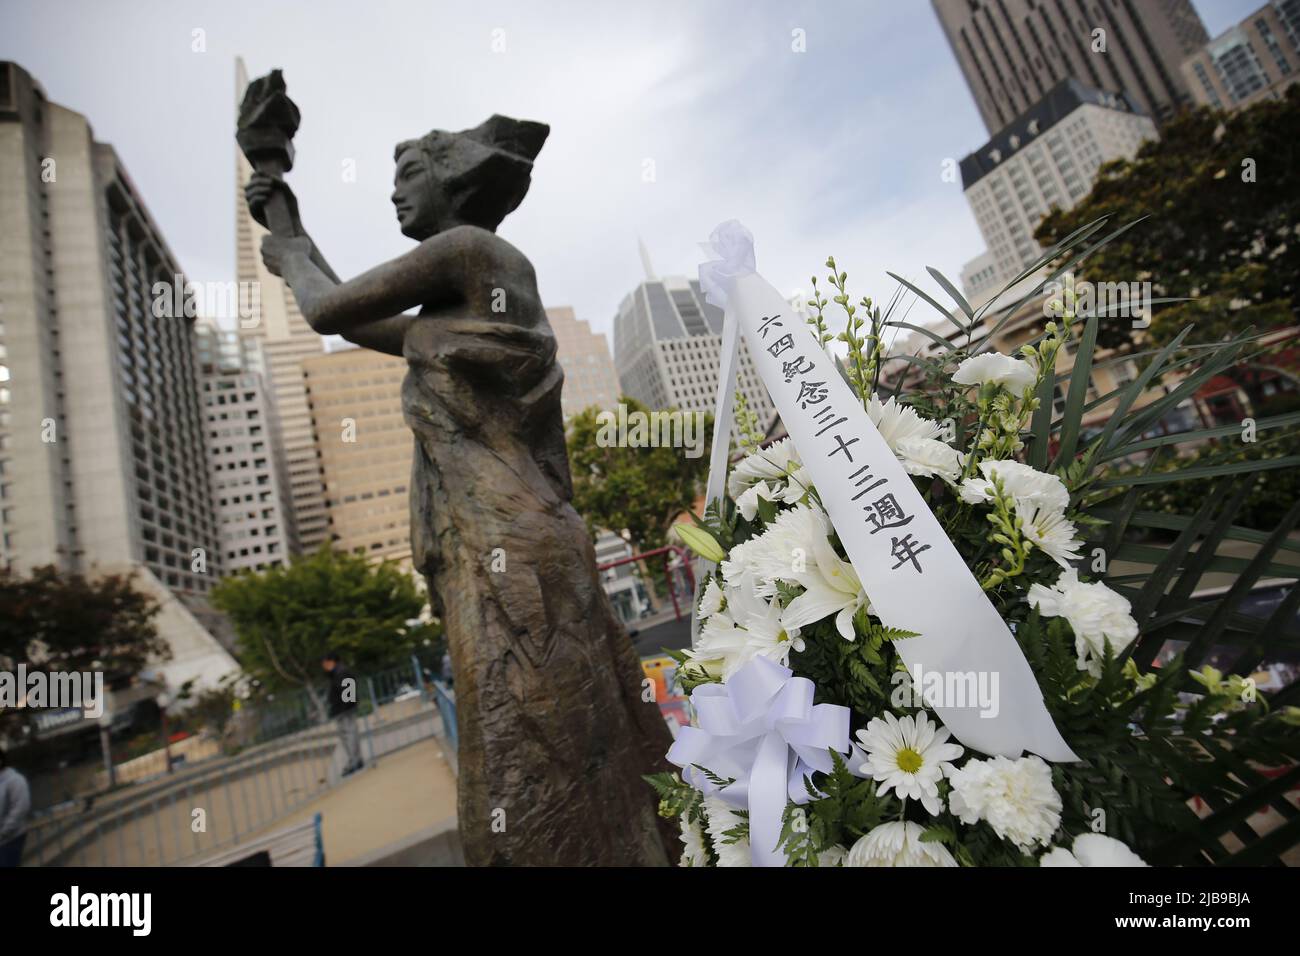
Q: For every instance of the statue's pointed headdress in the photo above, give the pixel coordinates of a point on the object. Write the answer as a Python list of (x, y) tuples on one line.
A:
[(486, 170)]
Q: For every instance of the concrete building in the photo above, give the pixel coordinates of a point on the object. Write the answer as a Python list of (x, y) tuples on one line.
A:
[(102, 448), (622, 583), (1256, 59), (103, 467), (589, 375), (666, 345), (1012, 52), (365, 450), (287, 340), (1049, 156), (249, 477)]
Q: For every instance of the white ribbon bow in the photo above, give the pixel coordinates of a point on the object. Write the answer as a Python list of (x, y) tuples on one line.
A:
[(733, 245), (762, 729)]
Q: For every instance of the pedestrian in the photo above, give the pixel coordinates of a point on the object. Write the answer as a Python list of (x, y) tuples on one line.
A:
[(447, 677), (343, 710), (15, 803)]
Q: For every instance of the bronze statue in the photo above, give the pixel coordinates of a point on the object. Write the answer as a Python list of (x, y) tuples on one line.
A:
[(554, 733)]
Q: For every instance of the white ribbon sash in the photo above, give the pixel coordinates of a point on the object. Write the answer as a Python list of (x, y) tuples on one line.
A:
[(913, 575)]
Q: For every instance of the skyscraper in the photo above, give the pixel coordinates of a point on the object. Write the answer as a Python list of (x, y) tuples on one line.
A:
[(1254, 60), (102, 458), (286, 341), (249, 477), (1048, 157), (589, 375), (1012, 52), (666, 345), (365, 449)]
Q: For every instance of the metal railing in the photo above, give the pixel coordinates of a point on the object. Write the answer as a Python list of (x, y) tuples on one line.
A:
[(446, 700), (286, 754)]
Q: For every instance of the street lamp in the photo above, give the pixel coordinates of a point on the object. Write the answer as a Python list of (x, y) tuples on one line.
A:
[(163, 700), (106, 742)]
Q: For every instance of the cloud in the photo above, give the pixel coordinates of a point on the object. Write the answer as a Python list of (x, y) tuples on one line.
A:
[(836, 149)]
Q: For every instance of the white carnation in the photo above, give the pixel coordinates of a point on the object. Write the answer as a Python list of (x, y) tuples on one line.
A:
[(1092, 849), (1096, 614), (898, 844), (1015, 797), (997, 369)]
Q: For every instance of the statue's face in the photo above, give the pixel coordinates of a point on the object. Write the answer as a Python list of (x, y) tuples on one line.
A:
[(421, 202)]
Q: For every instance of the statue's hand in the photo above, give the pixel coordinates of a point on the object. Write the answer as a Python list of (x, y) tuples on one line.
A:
[(260, 188), (278, 251)]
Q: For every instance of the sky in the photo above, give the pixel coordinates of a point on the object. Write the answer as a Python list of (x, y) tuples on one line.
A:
[(666, 118)]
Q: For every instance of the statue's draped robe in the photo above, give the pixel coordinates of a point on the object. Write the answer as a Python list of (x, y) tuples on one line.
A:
[(511, 571)]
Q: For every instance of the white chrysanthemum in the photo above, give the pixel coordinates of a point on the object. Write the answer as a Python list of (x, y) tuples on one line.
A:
[(776, 553), (796, 549), (1015, 797), (776, 469), (750, 627), (1096, 614), (711, 600), (1020, 482), (1050, 531), (914, 440), (909, 756), (995, 368), (766, 633), (897, 422), (928, 458), (898, 844), (693, 852), (722, 818), (1092, 849), (747, 501), (832, 856), (721, 647)]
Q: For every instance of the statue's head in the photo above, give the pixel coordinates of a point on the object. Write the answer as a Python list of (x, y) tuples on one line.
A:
[(475, 177)]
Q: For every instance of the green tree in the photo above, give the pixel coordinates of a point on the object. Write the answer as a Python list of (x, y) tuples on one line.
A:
[(67, 622), (287, 618), (1223, 195), (639, 490)]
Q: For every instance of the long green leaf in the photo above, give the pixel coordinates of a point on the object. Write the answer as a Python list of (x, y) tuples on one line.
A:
[(1077, 394)]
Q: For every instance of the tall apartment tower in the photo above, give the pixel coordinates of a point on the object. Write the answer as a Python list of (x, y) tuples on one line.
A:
[(102, 457), (1049, 156), (666, 345), (589, 375), (1012, 52), (365, 449), (249, 478), (287, 340), (1256, 59)]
